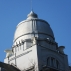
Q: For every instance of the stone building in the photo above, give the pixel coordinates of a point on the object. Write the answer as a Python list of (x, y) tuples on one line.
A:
[(34, 47)]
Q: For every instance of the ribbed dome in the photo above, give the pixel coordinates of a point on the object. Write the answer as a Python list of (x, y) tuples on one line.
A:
[(32, 25)]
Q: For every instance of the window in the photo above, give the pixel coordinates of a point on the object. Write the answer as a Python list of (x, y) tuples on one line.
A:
[(57, 64), (48, 61), (52, 61)]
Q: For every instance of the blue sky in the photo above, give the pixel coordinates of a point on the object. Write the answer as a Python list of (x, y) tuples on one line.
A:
[(56, 12)]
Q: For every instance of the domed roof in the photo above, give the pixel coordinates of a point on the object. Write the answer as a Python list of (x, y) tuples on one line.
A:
[(32, 25)]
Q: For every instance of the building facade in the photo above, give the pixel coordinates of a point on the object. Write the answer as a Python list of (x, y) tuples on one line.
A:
[(34, 47)]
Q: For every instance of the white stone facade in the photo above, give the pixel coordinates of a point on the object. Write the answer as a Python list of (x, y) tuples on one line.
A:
[(34, 47)]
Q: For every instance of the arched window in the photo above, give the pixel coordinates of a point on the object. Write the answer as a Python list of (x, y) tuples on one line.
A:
[(48, 61), (52, 61), (57, 64)]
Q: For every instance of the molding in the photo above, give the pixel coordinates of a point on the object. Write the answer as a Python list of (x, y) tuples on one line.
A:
[(33, 34), (20, 55), (51, 50)]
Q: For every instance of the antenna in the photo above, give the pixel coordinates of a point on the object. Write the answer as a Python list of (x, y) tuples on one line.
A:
[(31, 6)]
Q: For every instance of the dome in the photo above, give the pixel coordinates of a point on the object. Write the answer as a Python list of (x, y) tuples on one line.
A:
[(33, 26)]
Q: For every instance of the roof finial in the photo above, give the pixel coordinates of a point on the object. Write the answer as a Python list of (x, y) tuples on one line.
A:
[(31, 6)]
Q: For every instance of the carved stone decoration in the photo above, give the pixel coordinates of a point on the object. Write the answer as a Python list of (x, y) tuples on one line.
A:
[(61, 49), (8, 53), (35, 40)]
